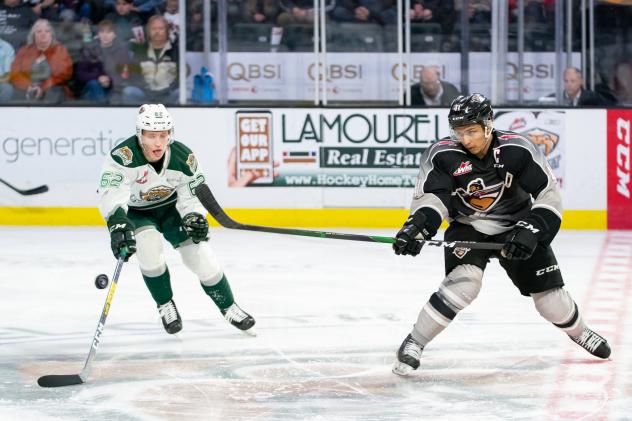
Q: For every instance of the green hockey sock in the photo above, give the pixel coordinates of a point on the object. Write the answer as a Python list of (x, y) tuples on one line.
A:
[(220, 293), (159, 287)]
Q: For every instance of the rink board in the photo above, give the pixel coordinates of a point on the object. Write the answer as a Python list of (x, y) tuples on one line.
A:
[(358, 166)]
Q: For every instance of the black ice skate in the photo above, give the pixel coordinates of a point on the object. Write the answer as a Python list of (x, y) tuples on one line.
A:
[(239, 318), (593, 343), (407, 356), (170, 317)]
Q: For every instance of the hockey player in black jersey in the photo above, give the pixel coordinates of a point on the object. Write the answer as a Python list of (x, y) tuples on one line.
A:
[(491, 186)]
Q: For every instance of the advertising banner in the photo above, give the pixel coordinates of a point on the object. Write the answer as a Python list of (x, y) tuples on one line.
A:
[(367, 76), (545, 129), (619, 186), (332, 148)]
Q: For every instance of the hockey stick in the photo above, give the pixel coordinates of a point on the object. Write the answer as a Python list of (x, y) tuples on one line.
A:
[(210, 204), (59, 380), (35, 190)]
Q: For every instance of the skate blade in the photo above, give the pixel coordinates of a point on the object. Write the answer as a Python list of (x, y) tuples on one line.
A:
[(250, 332), (401, 369)]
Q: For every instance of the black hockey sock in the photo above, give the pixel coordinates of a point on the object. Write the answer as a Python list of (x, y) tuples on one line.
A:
[(220, 293), (159, 287)]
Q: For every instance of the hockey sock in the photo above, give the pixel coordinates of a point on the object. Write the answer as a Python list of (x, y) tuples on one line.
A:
[(557, 306), (220, 293), (159, 287)]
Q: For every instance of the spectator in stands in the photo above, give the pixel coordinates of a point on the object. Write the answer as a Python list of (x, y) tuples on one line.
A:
[(574, 94), (145, 8), (260, 11), (157, 63), (419, 13), (128, 24), (15, 21), (479, 11), (45, 9), (431, 91), (41, 68), (296, 11), (73, 35), (377, 11), (622, 82), (172, 15), (104, 66), (7, 54)]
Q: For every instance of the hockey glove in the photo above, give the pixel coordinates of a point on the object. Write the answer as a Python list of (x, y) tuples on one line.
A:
[(416, 227), (521, 242), (122, 234), (196, 226)]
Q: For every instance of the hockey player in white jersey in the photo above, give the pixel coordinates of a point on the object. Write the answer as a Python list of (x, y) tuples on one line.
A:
[(147, 192), (491, 186)]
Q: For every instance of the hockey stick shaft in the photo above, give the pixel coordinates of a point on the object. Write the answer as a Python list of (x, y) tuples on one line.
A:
[(71, 379), (213, 207), (27, 192)]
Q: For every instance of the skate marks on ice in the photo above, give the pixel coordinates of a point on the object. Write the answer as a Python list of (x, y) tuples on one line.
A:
[(212, 372)]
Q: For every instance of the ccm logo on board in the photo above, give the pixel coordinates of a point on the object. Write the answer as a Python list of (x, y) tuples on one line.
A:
[(623, 157)]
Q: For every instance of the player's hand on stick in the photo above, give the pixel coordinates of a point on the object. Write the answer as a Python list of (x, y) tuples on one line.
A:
[(196, 226), (521, 242), (122, 236), (414, 229)]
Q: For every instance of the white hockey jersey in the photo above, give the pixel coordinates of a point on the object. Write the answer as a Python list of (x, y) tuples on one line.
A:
[(129, 181)]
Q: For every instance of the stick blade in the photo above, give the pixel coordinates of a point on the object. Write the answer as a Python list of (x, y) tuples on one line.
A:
[(36, 190), (59, 380)]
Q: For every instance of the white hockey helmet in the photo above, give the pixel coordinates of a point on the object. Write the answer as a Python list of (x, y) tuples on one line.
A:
[(153, 118)]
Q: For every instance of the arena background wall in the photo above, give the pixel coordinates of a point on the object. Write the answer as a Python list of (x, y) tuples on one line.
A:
[(312, 154)]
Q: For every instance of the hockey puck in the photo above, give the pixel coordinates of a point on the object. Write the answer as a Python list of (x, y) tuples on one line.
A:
[(101, 281)]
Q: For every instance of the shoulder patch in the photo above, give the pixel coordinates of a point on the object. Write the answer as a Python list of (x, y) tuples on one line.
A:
[(192, 163), (125, 153)]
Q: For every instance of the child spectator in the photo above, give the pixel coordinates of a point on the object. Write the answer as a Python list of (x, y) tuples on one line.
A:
[(104, 66)]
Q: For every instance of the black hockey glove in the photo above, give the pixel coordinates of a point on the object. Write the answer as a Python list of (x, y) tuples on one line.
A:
[(196, 226), (416, 227), (540, 227), (122, 234), (521, 242)]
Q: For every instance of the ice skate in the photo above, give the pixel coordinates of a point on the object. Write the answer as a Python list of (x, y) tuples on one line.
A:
[(593, 343), (240, 319), (408, 356), (170, 317)]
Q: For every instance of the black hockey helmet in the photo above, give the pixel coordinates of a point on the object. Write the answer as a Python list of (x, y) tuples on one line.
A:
[(471, 109)]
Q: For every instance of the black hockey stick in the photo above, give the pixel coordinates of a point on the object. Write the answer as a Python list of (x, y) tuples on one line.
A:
[(35, 190), (59, 380), (210, 204)]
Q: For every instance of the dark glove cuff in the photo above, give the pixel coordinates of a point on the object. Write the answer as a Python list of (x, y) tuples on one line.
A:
[(546, 222), (428, 219), (119, 217)]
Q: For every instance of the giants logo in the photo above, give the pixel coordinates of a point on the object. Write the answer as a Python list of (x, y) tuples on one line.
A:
[(479, 197)]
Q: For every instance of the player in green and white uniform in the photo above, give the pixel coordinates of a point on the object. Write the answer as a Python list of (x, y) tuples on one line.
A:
[(147, 191)]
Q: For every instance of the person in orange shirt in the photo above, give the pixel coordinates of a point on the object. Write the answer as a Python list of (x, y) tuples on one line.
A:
[(42, 67)]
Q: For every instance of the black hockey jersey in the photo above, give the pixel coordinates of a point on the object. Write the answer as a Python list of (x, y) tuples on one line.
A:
[(490, 194)]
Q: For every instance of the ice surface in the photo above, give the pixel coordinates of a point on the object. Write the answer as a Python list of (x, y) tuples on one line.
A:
[(330, 316)]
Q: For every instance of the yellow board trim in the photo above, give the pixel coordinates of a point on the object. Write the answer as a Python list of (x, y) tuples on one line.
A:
[(299, 218)]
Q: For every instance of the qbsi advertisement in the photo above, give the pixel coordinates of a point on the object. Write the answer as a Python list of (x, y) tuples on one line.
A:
[(619, 185)]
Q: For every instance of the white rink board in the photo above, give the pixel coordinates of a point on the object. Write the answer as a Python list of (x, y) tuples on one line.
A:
[(64, 148)]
